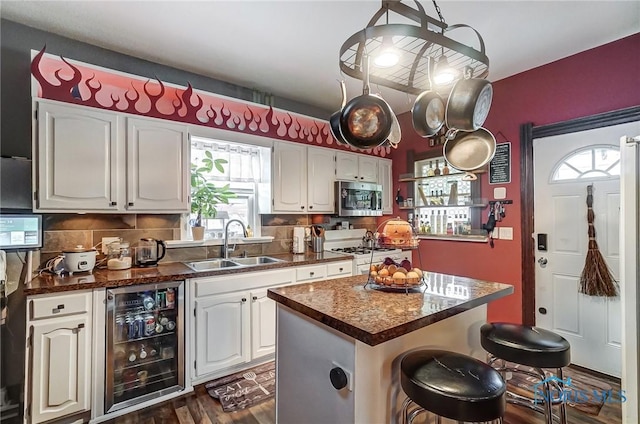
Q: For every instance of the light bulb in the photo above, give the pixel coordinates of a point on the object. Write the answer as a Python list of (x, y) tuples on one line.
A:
[(443, 73), (388, 55)]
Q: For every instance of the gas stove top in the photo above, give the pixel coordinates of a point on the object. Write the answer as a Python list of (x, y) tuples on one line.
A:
[(361, 250)]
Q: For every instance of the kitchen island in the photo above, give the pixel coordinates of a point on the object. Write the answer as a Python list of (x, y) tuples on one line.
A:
[(346, 326)]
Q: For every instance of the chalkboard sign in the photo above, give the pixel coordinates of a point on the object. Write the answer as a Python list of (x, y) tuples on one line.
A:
[(500, 165)]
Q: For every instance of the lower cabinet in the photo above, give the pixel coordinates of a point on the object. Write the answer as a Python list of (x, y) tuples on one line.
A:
[(234, 320), (58, 356)]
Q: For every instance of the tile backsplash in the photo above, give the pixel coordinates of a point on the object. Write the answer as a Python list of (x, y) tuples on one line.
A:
[(66, 231)]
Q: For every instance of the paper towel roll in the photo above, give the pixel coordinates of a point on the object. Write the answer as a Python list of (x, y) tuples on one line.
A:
[(298, 240)]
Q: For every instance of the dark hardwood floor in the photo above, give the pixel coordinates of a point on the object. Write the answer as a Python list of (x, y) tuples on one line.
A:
[(200, 408)]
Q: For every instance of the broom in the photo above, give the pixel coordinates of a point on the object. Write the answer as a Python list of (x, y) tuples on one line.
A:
[(596, 278)]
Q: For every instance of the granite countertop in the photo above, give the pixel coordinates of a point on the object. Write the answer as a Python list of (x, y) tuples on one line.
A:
[(169, 271), (346, 305)]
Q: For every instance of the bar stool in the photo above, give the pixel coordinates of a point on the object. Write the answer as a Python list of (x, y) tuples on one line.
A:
[(536, 348), (451, 385)]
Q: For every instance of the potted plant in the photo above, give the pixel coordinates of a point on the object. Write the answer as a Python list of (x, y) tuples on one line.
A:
[(205, 195)]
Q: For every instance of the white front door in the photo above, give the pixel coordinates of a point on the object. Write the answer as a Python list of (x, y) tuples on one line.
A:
[(564, 166)]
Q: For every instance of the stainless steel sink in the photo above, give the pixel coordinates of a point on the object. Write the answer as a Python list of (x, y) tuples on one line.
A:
[(212, 264), (256, 260)]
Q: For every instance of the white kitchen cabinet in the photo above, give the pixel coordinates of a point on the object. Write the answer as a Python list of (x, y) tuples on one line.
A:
[(263, 324), (222, 332), (58, 366), (386, 181), (303, 178), (234, 320), (157, 166), (356, 167), (77, 156), (97, 161)]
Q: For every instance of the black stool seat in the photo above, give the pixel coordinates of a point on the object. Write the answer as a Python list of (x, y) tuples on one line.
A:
[(452, 385), (525, 345)]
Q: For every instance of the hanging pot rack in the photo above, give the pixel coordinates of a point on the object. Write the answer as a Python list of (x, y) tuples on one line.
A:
[(419, 46)]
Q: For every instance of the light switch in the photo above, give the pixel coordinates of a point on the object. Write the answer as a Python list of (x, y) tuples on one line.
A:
[(506, 233), (500, 193)]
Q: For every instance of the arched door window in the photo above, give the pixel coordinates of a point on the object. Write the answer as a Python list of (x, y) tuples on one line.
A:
[(594, 162)]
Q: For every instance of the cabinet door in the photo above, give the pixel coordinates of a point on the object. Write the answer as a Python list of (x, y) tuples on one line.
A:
[(77, 158), (321, 175), (263, 324), (347, 166), (158, 173), (61, 367), (368, 168), (222, 332), (289, 177), (385, 180)]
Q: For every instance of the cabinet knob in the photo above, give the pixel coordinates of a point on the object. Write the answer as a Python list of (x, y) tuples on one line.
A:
[(113, 204), (255, 298), (301, 207), (341, 269), (244, 299), (311, 273), (60, 306), (130, 204), (310, 207)]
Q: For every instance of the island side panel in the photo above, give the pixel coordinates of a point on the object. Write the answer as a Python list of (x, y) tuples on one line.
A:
[(306, 351), (378, 394)]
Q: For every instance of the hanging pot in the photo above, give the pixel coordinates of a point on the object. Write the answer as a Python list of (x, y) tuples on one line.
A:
[(468, 104), (427, 114), (334, 120), (366, 120), (469, 151)]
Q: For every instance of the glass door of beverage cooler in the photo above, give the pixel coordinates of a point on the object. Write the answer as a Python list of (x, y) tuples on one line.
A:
[(145, 343)]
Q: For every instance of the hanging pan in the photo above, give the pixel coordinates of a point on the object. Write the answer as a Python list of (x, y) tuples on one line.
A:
[(366, 120), (468, 104), (469, 151), (334, 120), (427, 114)]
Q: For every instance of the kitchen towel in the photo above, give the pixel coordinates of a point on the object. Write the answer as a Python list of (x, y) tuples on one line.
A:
[(244, 389)]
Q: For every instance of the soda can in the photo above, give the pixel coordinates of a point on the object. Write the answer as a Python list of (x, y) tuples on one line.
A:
[(121, 328), (139, 319), (149, 325), (131, 325)]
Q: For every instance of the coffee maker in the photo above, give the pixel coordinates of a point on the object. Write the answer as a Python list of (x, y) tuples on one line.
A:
[(150, 251)]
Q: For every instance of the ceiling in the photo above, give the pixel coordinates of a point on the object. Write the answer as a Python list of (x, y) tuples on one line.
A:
[(290, 48)]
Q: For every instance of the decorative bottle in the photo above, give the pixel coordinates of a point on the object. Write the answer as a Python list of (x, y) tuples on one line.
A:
[(445, 169), (436, 171), (430, 171)]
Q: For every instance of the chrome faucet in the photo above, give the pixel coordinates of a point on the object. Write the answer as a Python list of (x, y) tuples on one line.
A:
[(225, 247)]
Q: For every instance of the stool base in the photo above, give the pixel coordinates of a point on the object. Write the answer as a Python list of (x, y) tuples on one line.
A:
[(543, 406), (410, 410)]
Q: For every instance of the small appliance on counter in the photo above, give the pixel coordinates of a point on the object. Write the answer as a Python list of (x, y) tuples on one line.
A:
[(79, 259), (150, 251), (298, 240), (118, 255)]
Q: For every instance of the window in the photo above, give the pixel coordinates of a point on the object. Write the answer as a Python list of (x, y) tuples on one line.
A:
[(247, 171), (589, 163)]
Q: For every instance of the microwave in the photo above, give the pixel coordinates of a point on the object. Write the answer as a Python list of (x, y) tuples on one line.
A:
[(358, 199)]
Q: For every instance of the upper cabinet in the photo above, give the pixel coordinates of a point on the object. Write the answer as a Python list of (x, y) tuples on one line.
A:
[(303, 178), (385, 180), (98, 161), (356, 167)]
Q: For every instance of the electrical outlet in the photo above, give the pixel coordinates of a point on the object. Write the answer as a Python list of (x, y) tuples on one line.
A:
[(106, 241), (506, 233)]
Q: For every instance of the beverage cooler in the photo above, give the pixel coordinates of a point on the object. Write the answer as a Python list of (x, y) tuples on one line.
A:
[(145, 343)]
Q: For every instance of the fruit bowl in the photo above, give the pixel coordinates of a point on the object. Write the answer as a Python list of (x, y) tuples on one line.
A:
[(390, 275)]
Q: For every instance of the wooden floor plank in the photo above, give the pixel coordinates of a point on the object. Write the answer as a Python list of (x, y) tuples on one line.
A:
[(200, 408)]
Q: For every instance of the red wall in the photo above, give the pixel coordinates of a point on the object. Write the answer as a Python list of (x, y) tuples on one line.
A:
[(599, 80)]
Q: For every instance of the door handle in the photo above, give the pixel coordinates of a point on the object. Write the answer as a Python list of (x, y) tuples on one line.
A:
[(542, 261)]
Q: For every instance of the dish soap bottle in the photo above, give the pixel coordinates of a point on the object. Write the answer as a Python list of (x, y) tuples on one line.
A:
[(249, 231)]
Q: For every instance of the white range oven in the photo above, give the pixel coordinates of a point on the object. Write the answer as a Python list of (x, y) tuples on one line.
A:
[(350, 242)]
